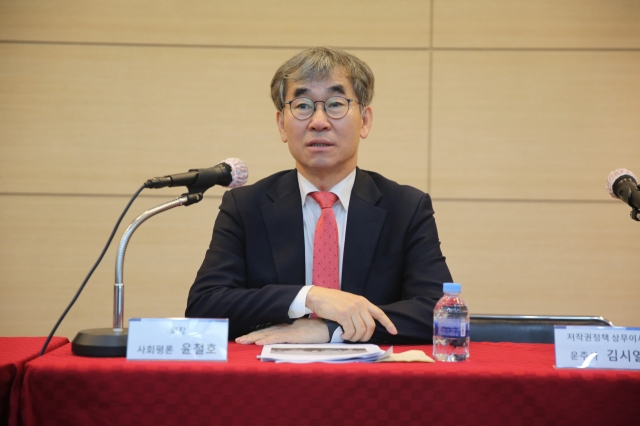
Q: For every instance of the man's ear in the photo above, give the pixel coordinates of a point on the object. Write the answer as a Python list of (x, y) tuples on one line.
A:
[(280, 123), (367, 121)]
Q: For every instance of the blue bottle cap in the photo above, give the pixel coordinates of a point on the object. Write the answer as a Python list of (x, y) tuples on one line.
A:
[(451, 287)]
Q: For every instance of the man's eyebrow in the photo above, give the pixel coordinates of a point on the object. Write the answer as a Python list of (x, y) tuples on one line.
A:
[(300, 91), (337, 88)]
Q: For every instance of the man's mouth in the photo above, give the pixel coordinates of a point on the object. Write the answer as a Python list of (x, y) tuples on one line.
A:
[(319, 143)]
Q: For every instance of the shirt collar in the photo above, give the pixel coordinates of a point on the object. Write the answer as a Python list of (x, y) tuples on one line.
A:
[(342, 189)]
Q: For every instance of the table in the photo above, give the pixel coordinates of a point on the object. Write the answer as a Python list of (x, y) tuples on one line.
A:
[(502, 384), (14, 354)]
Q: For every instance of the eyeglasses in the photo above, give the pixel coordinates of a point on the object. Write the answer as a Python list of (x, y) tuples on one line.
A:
[(335, 107)]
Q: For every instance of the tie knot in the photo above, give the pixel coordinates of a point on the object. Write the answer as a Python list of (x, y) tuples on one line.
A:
[(326, 199)]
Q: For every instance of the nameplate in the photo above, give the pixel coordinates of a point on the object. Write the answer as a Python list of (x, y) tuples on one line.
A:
[(177, 339), (616, 348)]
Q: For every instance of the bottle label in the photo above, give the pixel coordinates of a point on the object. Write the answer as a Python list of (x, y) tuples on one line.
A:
[(451, 327)]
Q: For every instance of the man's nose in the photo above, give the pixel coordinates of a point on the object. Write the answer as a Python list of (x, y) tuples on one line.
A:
[(319, 118)]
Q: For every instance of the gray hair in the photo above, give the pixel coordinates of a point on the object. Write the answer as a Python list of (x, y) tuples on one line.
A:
[(315, 64)]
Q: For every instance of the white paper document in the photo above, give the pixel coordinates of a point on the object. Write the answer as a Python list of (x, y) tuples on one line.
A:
[(329, 352)]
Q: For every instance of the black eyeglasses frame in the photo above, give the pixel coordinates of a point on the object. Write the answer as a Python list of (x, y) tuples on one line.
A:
[(324, 106)]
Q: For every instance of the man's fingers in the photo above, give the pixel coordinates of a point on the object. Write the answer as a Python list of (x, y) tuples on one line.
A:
[(359, 326), (382, 318), (247, 339), (272, 340), (370, 325), (348, 330), (344, 307), (254, 336), (362, 324), (302, 330)]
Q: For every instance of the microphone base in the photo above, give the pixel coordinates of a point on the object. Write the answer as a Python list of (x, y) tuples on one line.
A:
[(100, 343)]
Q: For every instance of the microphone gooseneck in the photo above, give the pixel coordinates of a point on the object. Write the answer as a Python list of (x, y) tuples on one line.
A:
[(112, 342)]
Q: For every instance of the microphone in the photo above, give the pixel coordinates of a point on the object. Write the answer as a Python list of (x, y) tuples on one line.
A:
[(231, 173), (623, 185)]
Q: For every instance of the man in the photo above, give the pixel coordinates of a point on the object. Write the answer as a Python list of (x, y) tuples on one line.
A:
[(275, 256)]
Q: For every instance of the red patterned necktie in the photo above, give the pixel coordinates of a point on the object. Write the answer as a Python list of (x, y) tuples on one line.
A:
[(325, 243)]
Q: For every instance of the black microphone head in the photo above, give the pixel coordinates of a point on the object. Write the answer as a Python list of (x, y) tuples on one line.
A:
[(239, 172)]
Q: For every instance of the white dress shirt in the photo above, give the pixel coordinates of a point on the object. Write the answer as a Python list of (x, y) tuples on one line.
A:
[(311, 211)]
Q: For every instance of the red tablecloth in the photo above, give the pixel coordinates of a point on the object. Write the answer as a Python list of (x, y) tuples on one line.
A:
[(14, 353), (502, 384)]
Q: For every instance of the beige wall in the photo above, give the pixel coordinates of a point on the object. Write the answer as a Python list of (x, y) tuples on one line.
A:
[(511, 114)]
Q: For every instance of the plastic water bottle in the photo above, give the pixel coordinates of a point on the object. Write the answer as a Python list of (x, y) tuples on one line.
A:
[(451, 326)]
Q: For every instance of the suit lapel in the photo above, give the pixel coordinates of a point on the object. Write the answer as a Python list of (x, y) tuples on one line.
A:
[(364, 224), (283, 222)]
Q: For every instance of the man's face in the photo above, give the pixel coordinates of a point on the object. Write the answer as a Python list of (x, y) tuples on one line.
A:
[(325, 149)]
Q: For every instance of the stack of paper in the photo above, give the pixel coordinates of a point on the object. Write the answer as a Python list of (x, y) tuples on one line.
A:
[(328, 352)]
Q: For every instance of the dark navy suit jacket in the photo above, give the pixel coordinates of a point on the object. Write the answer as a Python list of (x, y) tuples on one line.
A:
[(255, 264)]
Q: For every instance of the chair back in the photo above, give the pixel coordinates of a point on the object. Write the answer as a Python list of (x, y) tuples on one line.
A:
[(524, 328)]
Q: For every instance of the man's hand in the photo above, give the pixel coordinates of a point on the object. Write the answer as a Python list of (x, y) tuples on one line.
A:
[(354, 313), (303, 330)]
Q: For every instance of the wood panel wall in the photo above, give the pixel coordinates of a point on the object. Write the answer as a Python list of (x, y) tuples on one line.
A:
[(511, 114)]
